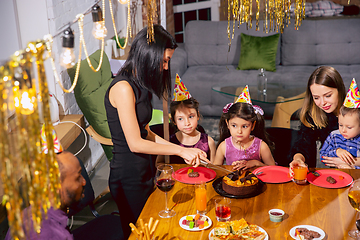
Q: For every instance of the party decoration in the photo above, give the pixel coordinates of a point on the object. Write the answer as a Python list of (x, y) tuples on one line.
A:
[(57, 145), (244, 96), (352, 99), (151, 15), (180, 91), (276, 14)]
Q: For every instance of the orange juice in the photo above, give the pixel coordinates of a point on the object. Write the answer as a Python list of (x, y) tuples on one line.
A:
[(200, 199), (300, 173)]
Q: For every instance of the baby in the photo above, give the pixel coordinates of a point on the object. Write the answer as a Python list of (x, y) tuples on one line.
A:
[(342, 147)]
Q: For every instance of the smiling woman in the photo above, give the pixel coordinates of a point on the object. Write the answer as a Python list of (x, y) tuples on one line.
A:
[(324, 96)]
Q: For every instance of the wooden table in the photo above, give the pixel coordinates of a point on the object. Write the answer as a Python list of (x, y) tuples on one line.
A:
[(67, 131), (328, 209)]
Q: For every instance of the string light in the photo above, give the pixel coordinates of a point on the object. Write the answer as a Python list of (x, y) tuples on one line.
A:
[(99, 30), (67, 56), (124, 1)]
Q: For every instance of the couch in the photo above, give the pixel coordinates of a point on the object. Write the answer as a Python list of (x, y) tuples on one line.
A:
[(203, 61)]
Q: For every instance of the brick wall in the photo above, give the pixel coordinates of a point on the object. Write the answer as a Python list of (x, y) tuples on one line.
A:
[(61, 12)]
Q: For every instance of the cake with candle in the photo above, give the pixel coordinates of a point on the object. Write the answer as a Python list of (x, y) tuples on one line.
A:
[(240, 183)]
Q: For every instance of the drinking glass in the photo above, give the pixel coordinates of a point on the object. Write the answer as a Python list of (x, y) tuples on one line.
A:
[(165, 182), (300, 174), (354, 199), (222, 209), (200, 198)]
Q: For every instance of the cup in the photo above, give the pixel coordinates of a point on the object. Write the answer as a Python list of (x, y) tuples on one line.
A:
[(222, 209), (300, 174), (200, 198), (276, 215)]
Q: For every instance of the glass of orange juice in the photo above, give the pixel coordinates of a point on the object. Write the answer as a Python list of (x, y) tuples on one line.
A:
[(300, 174), (200, 197)]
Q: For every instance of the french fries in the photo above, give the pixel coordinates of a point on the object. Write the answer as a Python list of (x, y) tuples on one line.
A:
[(147, 229)]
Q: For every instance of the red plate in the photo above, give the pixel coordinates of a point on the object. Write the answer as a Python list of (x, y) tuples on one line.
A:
[(205, 175), (342, 179), (273, 174)]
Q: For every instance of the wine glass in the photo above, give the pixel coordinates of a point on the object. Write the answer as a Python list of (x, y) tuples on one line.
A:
[(165, 182), (354, 199)]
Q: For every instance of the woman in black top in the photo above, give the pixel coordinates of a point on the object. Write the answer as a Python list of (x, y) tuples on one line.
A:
[(325, 94), (129, 109)]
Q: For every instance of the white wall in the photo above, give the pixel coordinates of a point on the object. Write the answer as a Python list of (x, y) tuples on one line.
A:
[(37, 18)]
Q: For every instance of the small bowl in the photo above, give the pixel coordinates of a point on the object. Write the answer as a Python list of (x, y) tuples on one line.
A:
[(276, 215)]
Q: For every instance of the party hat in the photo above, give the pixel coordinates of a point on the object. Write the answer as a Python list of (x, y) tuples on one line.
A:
[(352, 99), (244, 96), (180, 91), (57, 146)]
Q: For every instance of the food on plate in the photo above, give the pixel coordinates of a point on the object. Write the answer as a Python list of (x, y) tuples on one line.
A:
[(191, 173), (341, 177), (331, 180), (239, 230), (307, 234), (196, 222), (240, 183)]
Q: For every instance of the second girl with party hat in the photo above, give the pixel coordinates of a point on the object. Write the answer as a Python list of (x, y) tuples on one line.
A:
[(184, 111), (341, 148), (243, 141)]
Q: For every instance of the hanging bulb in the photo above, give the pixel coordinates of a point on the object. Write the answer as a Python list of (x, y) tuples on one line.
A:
[(123, 1), (99, 30), (67, 57)]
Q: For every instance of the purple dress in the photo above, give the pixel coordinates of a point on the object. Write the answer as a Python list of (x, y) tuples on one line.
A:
[(233, 154), (202, 144)]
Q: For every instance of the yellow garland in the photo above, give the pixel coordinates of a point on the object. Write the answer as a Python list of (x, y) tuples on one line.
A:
[(128, 27)]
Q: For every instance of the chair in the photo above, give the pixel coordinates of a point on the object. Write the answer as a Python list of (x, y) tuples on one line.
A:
[(102, 226), (89, 94), (284, 110), (284, 139)]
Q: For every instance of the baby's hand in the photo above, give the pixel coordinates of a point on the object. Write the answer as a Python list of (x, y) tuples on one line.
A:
[(345, 156)]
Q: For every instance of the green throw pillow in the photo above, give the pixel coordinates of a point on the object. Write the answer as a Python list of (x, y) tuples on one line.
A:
[(258, 52)]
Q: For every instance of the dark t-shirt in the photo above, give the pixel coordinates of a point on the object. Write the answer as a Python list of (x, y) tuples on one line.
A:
[(306, 140), (202, 144)]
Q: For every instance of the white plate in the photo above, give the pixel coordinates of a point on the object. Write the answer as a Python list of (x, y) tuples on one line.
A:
[(195, 228), (259, 228), (313, 228)]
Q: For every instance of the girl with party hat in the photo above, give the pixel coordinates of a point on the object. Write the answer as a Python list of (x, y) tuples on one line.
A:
[(243, 141), (341, 149), (184, 111)]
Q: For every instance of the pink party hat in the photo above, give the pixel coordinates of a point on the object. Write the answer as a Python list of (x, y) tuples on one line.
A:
[(244, 96), (180, 91), (352, 99), (57, 146)]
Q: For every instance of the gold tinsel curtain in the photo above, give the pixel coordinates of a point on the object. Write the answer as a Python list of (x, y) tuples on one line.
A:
[(29, 176)]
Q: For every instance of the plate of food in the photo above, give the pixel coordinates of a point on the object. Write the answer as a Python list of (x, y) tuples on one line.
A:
[(195, 222), (329, 178), (273, 174), (307, 232), (237, 229), (238, 185), (193, 175)]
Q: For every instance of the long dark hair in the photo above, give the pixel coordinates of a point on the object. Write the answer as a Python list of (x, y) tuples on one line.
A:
[(326, 76), (246, 112), (144, 64)]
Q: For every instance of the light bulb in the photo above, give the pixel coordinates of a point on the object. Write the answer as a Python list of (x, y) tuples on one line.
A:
[(67, 56), (99, 30), (123, 1)]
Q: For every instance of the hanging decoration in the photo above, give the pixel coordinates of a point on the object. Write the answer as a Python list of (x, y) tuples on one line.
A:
[(128, 27), (151, 15), (24, 109), (276, 14)]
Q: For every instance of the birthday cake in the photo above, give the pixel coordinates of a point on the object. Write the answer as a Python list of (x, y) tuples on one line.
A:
[(240, 183)]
